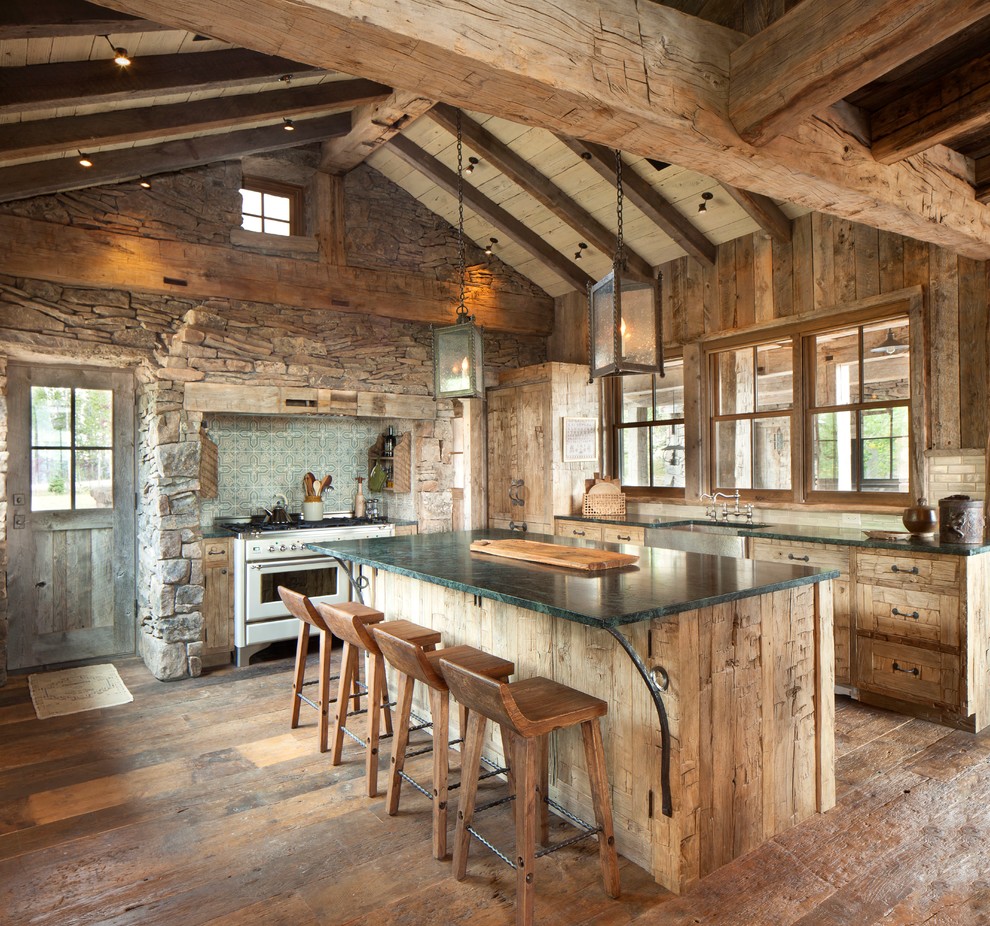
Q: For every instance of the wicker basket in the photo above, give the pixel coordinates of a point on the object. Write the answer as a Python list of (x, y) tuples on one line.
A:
[(604, 505)]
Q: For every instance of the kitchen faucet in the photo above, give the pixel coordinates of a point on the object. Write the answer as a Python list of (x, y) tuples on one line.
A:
[(712, 512)]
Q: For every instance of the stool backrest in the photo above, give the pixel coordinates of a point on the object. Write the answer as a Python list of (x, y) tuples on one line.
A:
[(406, 656), (347, 627), (300, 606), (482, 694)]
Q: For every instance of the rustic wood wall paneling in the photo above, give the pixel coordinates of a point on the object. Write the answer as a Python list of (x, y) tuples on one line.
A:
[(804, 273), (973, 357), (745, 291), (783, 277), (844, 262), (891, 262), (763, 277), (943, 326)]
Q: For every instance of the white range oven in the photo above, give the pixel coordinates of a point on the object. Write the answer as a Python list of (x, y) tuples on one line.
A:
[(269, 555)]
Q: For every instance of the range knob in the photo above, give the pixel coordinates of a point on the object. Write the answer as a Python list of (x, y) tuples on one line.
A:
[(282, 548), (293, 547), (271, 549)]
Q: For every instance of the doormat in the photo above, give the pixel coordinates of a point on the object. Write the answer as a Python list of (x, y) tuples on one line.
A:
[(70, 691)]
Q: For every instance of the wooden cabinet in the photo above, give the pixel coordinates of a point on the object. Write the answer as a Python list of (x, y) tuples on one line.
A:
[(528, 480), (613, 533), (404, 530), (218, 602), (922, 635), (823, 556), (581, 530), (594, 530)]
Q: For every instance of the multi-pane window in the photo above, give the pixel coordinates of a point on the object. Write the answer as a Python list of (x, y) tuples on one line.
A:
[(272, 208), (71, 448), (753, 398), (859, 409), (651, 428)]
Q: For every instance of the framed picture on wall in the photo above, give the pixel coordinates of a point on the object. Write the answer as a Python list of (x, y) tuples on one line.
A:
[(580, 440)]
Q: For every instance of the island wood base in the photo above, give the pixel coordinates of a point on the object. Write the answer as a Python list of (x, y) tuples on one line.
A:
[(750, 705)]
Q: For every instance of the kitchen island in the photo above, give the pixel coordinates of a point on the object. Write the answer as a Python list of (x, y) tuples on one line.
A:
[(739, 652)]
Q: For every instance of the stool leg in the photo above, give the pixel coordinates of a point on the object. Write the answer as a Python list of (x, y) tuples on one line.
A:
[(543, 788), (527, 807), (348, 670), (386, 710), (374, 721), (470, 766), (440, 717), (598, 778), (399, 743), (302, 648), (324, 688)]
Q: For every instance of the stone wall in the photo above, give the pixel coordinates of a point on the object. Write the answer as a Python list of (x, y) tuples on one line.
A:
[(171, 341)]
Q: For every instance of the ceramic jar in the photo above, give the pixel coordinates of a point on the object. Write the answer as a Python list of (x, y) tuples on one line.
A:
[(921, 519)]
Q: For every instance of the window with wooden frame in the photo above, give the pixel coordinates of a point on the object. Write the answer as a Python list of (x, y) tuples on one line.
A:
[(649, 430), (271, 207), (752, 410), (859, 412)]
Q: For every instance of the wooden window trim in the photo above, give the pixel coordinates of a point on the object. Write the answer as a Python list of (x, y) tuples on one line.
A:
[(291, 192)]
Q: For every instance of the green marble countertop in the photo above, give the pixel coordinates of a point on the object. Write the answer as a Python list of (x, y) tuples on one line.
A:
[(847, 536), (663, 582)]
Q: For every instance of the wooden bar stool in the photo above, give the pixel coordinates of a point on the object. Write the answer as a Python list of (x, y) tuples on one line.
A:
[(301, 607), (530, 710), (412, 663), (350, 622)]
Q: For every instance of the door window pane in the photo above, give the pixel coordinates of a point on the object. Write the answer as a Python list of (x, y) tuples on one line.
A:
[(94, 418), (50, 480), (50, 416), (94, 479)]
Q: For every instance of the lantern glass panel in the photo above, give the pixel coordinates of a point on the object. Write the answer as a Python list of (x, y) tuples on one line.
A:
[(638, 325), (457, 353)]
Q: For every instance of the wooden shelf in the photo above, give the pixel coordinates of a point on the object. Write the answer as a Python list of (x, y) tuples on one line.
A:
[(400, 463)]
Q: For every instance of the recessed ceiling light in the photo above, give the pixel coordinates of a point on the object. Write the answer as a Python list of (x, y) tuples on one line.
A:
[(144, 184)]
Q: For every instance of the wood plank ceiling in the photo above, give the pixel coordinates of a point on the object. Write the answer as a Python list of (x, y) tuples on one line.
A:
[(190, 99)]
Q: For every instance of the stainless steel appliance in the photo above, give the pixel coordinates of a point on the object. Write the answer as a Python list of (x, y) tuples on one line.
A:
[(269, 555)]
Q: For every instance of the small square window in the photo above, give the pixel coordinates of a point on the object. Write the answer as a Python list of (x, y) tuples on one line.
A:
[(273, 208)]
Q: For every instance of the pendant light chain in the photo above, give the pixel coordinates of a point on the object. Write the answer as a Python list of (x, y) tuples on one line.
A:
[(461, 268), (618, 205)]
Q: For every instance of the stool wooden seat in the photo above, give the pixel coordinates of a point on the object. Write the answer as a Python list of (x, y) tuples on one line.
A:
[(414, 663), (530, 709), (350, 623), (301, 607)]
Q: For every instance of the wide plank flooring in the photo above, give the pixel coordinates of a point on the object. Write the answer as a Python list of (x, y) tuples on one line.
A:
[(196, 804)]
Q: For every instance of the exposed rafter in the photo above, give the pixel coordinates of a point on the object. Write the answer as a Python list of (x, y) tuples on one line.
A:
[(762, 210), (85, 83), (117, 166), (372, 126), (492, 213), (818, 53), (33, 19), (524, 175), (952, 107), (647, 200), (36, 138)]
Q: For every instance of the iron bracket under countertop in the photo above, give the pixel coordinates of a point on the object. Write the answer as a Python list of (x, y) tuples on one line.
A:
[(359, 583), (666, 803)]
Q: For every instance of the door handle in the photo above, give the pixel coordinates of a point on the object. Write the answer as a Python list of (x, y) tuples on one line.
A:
[(914, 615), (41, 584)]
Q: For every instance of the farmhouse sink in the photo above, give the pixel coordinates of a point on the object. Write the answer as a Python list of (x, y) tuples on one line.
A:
[(701, 537)]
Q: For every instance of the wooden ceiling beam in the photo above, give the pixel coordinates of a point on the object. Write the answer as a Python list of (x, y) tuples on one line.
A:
[(40, 19), (85, 83), (40, 137), (818, 53), (90, 257), (982, 185), (645, 74), (372, 125), (955, 106), (762, 210), (544, 191), (491, 212), (123, 164), (646, 199)]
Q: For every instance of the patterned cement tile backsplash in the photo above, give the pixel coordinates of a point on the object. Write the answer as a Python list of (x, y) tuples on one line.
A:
[(262, 456)]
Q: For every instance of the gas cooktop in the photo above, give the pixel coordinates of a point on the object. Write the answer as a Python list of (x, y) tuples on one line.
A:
[(297, 524)]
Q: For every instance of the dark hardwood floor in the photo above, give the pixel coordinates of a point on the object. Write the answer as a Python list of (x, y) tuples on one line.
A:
[(196, 804)]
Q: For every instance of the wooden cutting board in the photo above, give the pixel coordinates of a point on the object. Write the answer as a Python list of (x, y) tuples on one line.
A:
[(553, 554)]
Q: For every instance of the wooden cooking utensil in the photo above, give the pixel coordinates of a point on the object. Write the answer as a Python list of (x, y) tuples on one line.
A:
[(309, 481)]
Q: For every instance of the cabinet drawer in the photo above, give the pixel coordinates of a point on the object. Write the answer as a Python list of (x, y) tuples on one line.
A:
[(908, 672), (216, 553), (821, 555), (909, 570), (612, 533), (919, 616), (579, 529)]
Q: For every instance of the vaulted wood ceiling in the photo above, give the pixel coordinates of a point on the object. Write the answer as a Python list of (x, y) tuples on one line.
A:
[(677, 86)]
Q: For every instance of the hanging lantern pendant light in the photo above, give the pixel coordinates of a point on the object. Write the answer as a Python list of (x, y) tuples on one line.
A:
[(624, 319), (458, 363)]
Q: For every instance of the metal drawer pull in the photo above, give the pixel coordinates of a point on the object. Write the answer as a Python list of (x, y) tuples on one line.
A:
[(660, 678), (218, 553), (624, 536), (578, 533), (914, 615), (803, 559), (913, 671), (912, 571)]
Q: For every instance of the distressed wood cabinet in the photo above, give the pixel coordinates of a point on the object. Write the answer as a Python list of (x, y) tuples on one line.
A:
[(218, 602)]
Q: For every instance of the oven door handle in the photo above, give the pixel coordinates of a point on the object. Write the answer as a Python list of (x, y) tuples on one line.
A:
[(301, 561)]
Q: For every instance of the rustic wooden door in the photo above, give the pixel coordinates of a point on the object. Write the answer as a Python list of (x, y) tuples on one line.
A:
[(70, 515)]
